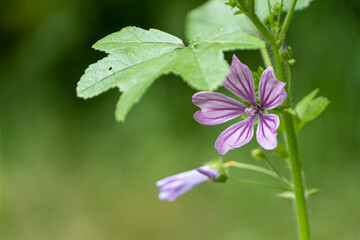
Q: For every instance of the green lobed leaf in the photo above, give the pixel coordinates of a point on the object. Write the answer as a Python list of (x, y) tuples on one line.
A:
[(130, 37), (226, 39), (215, 14), (309, 108), (137, 57)]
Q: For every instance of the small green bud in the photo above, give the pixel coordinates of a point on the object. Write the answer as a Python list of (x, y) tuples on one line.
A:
[(258, 154), (292, 61), (287, 194), (285, 53), (277, 7), (312, 192)]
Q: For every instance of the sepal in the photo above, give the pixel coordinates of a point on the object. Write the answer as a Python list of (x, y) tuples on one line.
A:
[(222, 170), (285, 53)]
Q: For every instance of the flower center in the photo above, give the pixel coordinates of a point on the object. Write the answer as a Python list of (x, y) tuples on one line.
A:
[(252, 110)]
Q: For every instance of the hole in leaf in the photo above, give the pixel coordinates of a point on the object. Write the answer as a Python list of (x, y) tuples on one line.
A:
[(110, 68)]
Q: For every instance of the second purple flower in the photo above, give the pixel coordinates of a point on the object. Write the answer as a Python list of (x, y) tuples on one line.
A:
[(217, 108)]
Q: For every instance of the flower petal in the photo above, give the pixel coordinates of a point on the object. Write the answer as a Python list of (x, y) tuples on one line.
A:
[(266, 131), (172, 187), (271, 91), (240, 81), (210, 173), (235, 136), (216, 108)]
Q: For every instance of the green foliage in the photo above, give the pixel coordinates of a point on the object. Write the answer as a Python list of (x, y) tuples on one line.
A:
[(214, 14), (137, 57), (309, 108)]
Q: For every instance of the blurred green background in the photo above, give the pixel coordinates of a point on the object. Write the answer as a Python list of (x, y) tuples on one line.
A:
[(70, 171)]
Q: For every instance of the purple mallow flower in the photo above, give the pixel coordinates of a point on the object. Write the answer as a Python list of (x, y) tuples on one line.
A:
[(174, 186), (218, 108)]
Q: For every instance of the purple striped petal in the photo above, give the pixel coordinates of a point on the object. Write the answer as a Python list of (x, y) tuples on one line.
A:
[(216, 108), (266, 131), (235, 136), (172, 187), (271, 91), (240, 81), (210, 173)]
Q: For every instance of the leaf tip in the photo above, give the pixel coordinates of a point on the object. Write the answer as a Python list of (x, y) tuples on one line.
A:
[(119, 118)]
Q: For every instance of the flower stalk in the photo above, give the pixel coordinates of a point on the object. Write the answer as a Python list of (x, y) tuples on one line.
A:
[(257, 183), (260, 170)]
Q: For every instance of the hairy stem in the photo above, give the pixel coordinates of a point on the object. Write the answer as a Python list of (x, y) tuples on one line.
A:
[(289, 83), (271, 17), (275, 45), (297, 176), (290, 134), (294, 157), (261, 27), (287, 21), (279, 17)]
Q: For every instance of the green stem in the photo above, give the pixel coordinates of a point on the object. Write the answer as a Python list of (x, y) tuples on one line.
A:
[(279, 16), (271, 17), (295, 160), (261, 27), (275, 45), (259, 170), (287, 21), (297, 175), (289, 99), (290, 134), (280, 70), (266, 57), (257, 183)]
